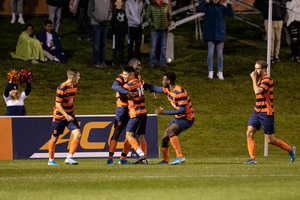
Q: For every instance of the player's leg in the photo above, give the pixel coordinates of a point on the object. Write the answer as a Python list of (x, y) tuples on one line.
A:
[(165, 149), (73, 126), (133, 142), (143, 143), (253, 125), (57, 129), (141, 131), (172, 131)]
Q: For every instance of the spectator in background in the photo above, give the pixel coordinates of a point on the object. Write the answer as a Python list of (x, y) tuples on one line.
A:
[(119, 30), (278, 13), (28, 47), (135, 13), (292, 21), (100, 13), (16, 5), (55, 7), (159, 17), (83, 17), (14, 100), (214, 31), (51, 43)]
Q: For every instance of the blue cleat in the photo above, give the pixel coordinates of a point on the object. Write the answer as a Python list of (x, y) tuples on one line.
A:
[(110, 161), (52, 162), (292, 154), (124, 162), (250, 161), (163, 162), (178, 160), (71, 161)]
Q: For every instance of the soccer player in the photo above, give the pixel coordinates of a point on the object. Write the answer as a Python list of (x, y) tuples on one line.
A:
[(263, 113), (63, 116), (184, 115), (137, 113), (122, 116)]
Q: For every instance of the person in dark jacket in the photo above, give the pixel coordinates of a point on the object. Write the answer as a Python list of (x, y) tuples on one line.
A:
[(119, 30), (214, 31), (278, 14), (55, 7), (51, 43), (83, 18), (14, 100)]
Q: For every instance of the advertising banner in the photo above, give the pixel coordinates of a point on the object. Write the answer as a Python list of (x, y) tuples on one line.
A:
[(30, 136)]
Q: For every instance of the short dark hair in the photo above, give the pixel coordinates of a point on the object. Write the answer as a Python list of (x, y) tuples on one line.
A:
[(128, 69), (262, 63), (48, 21), (72, 72), (171, 76), (132, 61)]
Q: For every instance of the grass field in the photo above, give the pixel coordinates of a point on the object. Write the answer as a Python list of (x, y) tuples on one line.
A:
[(215, 147)]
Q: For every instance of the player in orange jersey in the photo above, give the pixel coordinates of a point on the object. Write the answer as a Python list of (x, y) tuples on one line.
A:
[(263, 113), (63, 116), (137, 113), (184, 115), (122, 116)]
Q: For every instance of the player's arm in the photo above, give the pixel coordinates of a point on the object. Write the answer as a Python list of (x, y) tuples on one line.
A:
[(63, 112), (117, 87), (162, 111), (153, 88), (257, 90)]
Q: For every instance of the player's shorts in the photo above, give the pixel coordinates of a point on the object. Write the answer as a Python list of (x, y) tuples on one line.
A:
[(261, 119), (137, 125), (122, 116), (182, 123), (58, 128)]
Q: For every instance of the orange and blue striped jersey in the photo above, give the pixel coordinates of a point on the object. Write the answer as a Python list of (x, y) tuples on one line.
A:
[(264, 101), (136, 107), (179, 98), (65, 95), (118, 86), (122, 101)]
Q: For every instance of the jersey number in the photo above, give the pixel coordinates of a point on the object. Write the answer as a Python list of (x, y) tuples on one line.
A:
[(141, 90)]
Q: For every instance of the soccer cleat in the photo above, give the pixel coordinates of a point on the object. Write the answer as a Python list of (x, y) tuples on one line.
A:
[(144, 157), (292, 154), (178, 160), (110, 161), (163, 162), (52, 162), (71, 161), (250, 161), (124, 162), (142, 162)]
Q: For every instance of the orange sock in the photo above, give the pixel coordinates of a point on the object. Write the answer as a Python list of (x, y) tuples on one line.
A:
[(51, 149), (165, 151), (126, 149), (134, 143), (175, 142), (112, 148), (251, 147), (283, 145), (74, 146), (144, 147)]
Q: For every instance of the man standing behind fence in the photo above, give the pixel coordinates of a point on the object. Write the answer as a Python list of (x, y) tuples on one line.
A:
[(159, 16)]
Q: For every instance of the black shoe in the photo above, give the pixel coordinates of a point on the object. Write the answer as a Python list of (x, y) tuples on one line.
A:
[(142, 162), (144, 157)]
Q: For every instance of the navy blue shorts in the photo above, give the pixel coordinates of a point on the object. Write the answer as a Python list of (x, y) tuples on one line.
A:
[(122, 117), (266, 121), (137, 125), (58, 128), (182, 123)]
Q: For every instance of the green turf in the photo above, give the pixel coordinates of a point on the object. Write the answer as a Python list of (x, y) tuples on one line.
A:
[(198, 178), (215, 146)]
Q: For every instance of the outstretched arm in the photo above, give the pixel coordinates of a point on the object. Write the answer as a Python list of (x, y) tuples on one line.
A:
[(153, 88), (162, 111)]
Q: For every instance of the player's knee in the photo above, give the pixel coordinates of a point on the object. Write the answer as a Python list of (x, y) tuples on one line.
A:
[(271, 140)]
